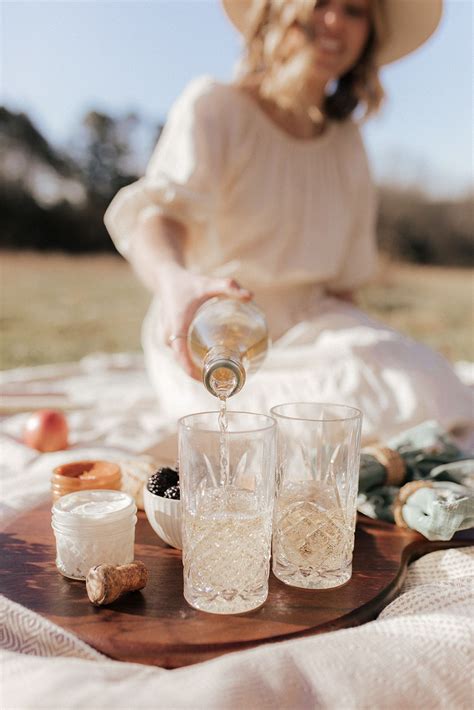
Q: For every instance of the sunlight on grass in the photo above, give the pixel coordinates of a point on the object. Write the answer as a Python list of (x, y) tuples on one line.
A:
[(58, 308)]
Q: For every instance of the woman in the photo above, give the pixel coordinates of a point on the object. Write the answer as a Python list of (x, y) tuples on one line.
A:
[(264, 182)]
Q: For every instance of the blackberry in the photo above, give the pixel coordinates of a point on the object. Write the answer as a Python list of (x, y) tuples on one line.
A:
[(172, 493), (163, 479)]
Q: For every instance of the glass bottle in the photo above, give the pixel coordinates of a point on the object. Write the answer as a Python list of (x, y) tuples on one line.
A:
[(227, 340)]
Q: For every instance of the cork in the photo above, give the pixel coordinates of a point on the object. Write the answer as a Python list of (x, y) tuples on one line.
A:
[(106, 583)]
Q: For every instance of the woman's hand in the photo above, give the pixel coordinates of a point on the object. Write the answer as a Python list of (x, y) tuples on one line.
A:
[(157, 256), (181, 294)]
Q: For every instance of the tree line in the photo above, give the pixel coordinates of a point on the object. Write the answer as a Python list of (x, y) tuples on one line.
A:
[(55, 198)]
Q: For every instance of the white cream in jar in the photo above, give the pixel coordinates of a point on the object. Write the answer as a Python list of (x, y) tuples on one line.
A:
[(93, 527)]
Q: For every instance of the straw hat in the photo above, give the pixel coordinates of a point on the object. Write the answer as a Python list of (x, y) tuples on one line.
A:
[(409, 23)]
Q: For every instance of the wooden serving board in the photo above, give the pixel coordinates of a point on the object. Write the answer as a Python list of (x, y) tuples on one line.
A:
[(157, 627)]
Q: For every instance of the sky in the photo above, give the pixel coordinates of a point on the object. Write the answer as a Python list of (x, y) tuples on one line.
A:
[(60, 58)]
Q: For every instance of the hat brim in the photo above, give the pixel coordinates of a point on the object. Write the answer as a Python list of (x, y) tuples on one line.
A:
[(408, 24)]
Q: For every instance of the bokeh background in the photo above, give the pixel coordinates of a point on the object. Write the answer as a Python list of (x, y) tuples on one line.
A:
[(86, 87)]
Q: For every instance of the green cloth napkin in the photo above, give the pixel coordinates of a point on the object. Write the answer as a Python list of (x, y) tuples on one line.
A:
[(430, 455)]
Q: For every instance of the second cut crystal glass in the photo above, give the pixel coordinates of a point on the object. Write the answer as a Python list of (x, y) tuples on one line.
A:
[(317, 480)]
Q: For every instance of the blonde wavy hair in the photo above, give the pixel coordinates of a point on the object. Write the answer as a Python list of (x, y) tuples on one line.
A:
[(279, 56)]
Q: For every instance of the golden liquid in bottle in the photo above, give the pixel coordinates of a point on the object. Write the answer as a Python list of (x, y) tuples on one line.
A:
[(229, 330)]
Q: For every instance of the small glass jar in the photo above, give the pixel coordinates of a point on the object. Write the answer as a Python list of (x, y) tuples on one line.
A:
[(93, 527), (85, 475)]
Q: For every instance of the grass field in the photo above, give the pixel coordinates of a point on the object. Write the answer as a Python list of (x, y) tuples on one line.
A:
[(58, 308)]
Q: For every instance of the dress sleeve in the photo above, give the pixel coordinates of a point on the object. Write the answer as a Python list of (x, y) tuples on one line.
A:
[(182, 177), (361, 256)]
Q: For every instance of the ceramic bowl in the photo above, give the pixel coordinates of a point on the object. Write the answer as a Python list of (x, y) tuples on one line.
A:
[(84, 475), (164, 516)]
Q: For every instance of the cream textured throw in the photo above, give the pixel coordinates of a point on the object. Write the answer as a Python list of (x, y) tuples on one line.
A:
[(418, 654)]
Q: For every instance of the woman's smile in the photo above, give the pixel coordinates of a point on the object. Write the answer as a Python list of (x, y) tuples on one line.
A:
[(329, 45), (341, 29)]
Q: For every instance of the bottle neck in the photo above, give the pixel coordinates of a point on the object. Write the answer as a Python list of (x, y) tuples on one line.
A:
[(223, 372)]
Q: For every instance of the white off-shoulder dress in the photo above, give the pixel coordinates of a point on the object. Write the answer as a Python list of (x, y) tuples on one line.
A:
[(292, 220)]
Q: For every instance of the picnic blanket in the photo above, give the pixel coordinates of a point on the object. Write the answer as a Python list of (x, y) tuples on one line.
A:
[(418, 653)]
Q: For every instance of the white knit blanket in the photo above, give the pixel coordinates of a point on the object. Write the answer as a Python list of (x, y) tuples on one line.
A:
[(419, 653)]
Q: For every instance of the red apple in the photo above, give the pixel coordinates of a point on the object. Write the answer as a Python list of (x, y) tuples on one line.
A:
[(46, 430)]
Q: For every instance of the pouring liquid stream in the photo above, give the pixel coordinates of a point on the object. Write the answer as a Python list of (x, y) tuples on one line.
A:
[(223, 442)]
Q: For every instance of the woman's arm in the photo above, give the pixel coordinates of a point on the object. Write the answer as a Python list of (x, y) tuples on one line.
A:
[(156, 254), (156, 250)]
